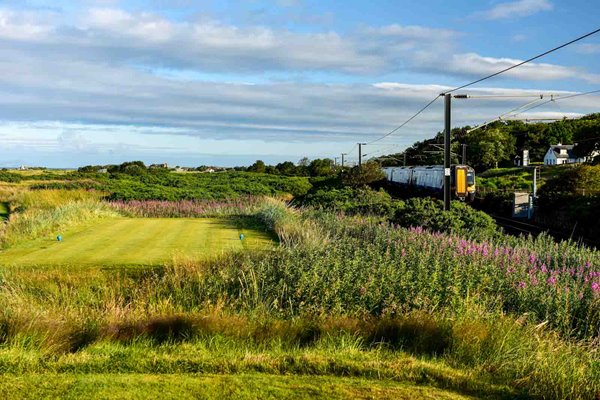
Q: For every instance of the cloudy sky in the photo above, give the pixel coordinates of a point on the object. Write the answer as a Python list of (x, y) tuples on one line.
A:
[(227, 82)]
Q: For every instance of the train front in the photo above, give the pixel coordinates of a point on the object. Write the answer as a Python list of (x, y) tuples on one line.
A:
[(464, 182)]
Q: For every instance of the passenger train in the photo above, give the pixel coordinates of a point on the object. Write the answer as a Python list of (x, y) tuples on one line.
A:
[(431, 177)]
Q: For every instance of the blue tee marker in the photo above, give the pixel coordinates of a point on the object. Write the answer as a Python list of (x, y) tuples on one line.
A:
[(59, 238), (242, 236)]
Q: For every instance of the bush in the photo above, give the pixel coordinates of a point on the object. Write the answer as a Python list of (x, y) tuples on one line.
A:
[(361, 200), (428, 213), (365, 174)]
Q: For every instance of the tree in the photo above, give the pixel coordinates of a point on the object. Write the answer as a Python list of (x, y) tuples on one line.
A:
[(365, 174), (587, 140), (489, 147), (321, 167), (258, 166), (286, 168)]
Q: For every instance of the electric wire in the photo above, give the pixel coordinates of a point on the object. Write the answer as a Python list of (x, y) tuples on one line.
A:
[(407, 121), (525, 61), (486, 78), (561, 98)]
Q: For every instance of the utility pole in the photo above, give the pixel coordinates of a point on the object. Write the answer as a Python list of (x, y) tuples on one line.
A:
[(536, 173), (464, 154), (343, 154), (447, 117), (360, 145), (405, 158)]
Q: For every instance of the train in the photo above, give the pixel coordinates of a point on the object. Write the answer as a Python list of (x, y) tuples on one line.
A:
[(431, 178)]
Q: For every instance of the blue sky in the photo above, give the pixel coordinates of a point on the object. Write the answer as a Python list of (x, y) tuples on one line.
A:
[(227, 82)]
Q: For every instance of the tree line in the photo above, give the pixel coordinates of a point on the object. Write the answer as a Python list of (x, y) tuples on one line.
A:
[(499, 142)]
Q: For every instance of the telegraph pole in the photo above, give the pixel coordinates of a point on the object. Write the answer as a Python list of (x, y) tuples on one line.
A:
[(447, 117), (360, 145)]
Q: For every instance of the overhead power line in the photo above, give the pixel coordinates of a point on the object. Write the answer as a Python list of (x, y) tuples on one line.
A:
[(486, 78), (525, 62), (407, 121), (530, 106), (561, 98)]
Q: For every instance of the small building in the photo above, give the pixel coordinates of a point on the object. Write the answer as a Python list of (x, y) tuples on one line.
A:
[(522, 161), (562, 154), (163, 165)]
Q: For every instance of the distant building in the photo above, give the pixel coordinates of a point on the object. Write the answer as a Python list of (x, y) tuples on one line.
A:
[(562, 154), (163, 165), (522, 161)]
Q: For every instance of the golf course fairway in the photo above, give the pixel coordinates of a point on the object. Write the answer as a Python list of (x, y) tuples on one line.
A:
[(139, 241)]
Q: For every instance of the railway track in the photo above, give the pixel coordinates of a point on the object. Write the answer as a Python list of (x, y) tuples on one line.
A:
[(516, 227)]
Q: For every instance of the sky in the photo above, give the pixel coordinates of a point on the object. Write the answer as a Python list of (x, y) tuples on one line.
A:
[(224, 83)]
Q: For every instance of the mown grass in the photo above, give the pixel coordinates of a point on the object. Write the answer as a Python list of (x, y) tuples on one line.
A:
[(137, 241)]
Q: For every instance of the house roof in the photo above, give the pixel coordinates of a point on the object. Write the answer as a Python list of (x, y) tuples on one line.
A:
[(558, 147)]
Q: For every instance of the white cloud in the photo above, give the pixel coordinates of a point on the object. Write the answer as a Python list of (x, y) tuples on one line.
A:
[(476, 64), (24, 25), (515, 9)]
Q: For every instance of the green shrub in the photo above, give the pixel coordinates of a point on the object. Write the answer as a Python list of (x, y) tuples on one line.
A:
[(428, 213), (361, 200)]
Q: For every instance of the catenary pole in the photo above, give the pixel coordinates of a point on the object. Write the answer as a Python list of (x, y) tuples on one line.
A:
[(447, 116), (360, 145)]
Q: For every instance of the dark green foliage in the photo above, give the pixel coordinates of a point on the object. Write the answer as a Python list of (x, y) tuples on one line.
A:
[(11, 177), (361, 200), (68, 185), (170, 186), (571, 201), (583, 180), (489, 147), (428, 213), (258, 166), (499, 141), (587, 137), (365, 174), (321, 167)]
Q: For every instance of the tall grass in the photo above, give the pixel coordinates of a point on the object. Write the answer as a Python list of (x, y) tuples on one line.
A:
[(188, 208), (38, 222)]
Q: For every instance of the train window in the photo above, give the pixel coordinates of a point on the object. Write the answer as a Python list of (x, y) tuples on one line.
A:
[(470, 178)]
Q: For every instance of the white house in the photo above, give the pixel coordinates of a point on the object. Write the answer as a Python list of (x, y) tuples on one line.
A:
[(562, 154)]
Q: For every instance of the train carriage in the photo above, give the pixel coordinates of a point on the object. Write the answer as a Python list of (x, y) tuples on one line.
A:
[(431, 177)]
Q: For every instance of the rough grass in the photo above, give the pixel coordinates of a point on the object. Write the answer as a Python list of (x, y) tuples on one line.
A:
[(37, 223), (239, 386), (135, 241)]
